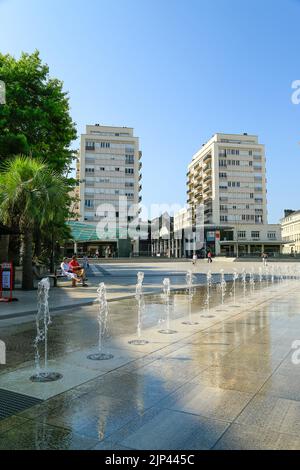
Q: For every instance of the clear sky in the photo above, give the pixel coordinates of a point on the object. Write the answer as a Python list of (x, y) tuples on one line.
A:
[(177, 71)]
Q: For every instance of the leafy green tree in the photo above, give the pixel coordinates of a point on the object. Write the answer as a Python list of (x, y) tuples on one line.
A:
[(36, 117), (33, 194), (35, 120)]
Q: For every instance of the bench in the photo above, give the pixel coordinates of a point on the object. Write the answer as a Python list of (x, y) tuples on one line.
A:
[(56, 276)]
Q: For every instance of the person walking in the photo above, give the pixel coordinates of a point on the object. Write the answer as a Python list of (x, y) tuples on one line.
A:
[(264, 257), (195, 257), (209, 257)]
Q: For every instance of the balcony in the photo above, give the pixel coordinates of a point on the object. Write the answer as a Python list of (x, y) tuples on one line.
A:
[(140, 165), (140, 154), (207, 189), (207, 157), (207, 167), (90, 147), (207, 178), (140, 187), (140, 176), (140, 198)]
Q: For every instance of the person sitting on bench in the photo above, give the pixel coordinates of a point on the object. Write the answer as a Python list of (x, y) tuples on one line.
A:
[(77, 269), (66, 271)]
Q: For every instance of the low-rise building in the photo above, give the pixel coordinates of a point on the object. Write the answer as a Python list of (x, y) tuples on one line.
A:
[(290, 231)]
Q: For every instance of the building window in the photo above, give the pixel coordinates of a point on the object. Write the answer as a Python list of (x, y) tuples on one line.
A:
[(272, 235), (129, 171), (89, 203), (89, 145), (129, 159), (241, 234), (102, 168), (254, 234), (105, 145), (90, 170), (223, 218), (117, 169), (247, 217)]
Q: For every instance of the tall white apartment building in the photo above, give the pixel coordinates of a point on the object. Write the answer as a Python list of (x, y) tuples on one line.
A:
[(109, 167), (228, 176)]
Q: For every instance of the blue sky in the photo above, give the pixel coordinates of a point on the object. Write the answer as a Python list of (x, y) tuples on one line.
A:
[(177, 71)]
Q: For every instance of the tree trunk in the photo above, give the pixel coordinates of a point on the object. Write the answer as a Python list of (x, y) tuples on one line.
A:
[(4, 243), (52, 254), (27, 278), (37, 244)]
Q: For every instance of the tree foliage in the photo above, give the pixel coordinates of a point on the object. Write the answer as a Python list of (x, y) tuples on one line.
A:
[(32, 194), (36, 117)]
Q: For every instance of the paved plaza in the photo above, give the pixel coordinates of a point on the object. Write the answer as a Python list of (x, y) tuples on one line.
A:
[(228, 382)]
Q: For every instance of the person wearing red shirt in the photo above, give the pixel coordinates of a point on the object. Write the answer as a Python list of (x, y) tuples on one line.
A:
[(77, 269)]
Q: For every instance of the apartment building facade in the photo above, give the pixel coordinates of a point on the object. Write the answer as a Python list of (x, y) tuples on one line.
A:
[(227, 176), (109, 175), (290, 231)]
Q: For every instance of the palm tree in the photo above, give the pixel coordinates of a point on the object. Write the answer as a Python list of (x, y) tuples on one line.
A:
[(32, 194)]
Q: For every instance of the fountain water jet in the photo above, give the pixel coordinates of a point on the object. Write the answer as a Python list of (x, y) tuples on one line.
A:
[(141, 307), (252, 281), (223, 288), (43, 320), (235, 277), (103, 325), (244, 281), (260, 276), (207, 300), (190, 291), (166, 297)]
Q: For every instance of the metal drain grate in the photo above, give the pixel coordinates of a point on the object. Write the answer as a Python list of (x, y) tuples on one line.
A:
[(12, 403)]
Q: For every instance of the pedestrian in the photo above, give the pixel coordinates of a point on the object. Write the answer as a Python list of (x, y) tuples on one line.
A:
[(195, 257), (209, 257), (85, 263), (264, 257)]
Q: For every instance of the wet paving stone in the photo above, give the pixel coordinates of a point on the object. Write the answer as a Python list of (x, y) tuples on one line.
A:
[(34, 435), (229, 382)]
